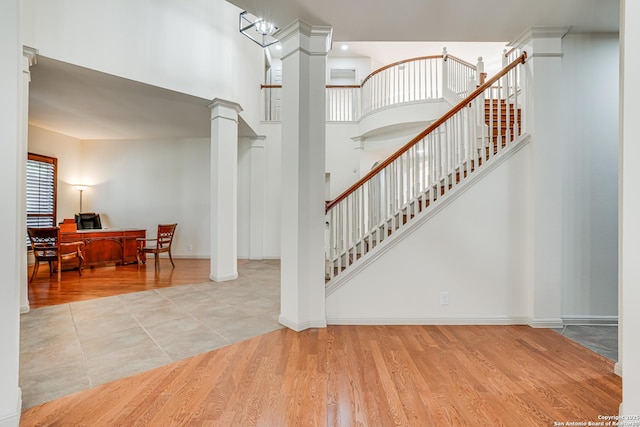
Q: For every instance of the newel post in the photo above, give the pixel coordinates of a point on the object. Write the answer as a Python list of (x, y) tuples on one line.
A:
[(445, 72), (480, 74)]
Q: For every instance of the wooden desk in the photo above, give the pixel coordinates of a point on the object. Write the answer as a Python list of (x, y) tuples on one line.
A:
[(110, 245)]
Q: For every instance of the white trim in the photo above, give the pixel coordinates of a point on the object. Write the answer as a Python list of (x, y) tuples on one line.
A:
[(483, 320), (13, 420), (308, 324), (25, 308), (423, 217), (185, 256), (546, 322), (590, 320), (617, 369)]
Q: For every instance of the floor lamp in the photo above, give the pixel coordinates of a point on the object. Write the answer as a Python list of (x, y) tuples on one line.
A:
[(80, 188)]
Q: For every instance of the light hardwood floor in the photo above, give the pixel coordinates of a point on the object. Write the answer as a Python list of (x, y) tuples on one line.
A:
[(112, 280), (343, 375), (360, 376)]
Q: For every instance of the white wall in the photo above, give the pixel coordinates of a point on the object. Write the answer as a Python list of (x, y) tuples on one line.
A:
[(68, 152), (143, 183), (361, 65), (244, 197), (146, 183), (477, 249), (135, 184), (11, 152), (590, 184), (191, 47), (273, 202), (342, 159)]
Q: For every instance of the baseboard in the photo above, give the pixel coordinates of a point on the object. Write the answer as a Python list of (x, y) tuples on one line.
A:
[(489, 320), (25, 309), (617, 369), (590, 320), (546, 322), (13, 420), (301, 326), (182, 256)]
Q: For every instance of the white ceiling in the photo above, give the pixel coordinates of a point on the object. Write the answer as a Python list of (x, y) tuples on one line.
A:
[(438, 20), (88, 105)]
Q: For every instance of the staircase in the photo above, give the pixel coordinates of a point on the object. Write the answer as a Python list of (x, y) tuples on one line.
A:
[(503, 120), (414, 179)]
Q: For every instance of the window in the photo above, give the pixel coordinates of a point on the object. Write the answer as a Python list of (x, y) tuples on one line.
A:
[(41, 190)]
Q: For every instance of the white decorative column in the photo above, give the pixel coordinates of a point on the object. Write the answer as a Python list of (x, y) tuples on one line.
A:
[(257, 202), (224, 190), (303, 174), (543, 75), (11, 223), (629, 209), (29, 59)]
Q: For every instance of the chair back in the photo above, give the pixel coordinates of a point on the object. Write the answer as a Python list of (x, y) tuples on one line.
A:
[(44, 240), (165, 234)]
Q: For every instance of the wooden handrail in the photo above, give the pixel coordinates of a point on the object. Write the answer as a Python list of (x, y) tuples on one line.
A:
[(398, 63), (462, 104), (462, 61), (506, 54)]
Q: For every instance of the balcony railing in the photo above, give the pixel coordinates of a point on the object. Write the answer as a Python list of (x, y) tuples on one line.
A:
[(417, 79)]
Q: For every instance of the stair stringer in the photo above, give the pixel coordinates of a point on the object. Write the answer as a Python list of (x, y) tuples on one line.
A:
[(341, 281)]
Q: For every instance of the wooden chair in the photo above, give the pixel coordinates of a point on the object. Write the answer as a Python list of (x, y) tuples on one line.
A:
[(48, 248), (162, 244)]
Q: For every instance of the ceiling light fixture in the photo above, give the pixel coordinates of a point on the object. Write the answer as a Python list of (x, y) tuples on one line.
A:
[(257, 29)]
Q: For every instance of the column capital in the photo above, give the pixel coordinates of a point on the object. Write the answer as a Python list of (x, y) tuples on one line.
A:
[(300, 36), (221, 108), (31, 54), (541, 41)]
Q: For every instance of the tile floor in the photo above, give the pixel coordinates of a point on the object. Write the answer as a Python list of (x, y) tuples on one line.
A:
[(71, 347), (603, 339)]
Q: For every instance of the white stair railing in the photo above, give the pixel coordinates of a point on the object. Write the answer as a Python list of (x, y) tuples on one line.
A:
[(415, 79), (343, 103), (457, 74), (435, 162)]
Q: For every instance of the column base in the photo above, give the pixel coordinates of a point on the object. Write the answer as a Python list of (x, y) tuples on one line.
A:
[(13, 420), (223, 278), (301, 326)]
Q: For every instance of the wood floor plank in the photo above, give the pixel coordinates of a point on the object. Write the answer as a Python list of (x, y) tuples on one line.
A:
[(112, 280), (360, 376)]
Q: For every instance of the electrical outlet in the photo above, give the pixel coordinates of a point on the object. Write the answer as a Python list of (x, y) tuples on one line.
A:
[(189, 248), (444, 298)]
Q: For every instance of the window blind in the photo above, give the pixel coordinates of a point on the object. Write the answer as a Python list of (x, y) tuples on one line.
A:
[(41, 191)]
